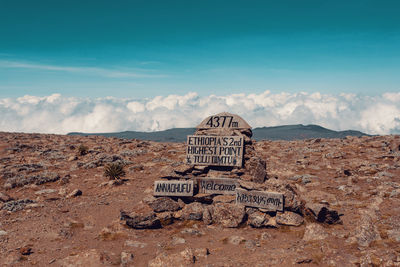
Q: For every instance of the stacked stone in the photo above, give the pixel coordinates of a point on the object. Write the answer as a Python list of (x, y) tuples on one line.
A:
[(252, 169), (222, 209)]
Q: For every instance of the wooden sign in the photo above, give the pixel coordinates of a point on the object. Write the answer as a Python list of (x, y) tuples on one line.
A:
[(214, 150), (267, 200), (224, 120), (173, 188), (225, 186)]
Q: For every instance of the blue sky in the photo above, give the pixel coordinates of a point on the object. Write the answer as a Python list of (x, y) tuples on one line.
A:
[(142, 49)]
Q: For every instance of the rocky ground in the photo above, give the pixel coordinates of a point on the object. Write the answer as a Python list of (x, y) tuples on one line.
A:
[(58, 209)]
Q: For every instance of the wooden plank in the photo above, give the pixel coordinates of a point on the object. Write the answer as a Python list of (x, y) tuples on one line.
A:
[(173, 188), (224, 186), (260, 199), (214, 150)]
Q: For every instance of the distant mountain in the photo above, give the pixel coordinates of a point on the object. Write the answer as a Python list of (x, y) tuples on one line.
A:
[(285, 132), (170, 135), (300, 131)]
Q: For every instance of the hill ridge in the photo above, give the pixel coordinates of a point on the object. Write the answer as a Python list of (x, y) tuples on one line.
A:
[(281, 132)]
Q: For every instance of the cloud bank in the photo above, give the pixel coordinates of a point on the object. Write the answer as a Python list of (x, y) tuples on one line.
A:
[(58, 114)]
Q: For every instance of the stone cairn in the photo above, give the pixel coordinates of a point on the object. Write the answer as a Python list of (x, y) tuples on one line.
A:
[(224, 182)]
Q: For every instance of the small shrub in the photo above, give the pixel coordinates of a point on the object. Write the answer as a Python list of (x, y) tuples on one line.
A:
[(114, 171), (83, 150)]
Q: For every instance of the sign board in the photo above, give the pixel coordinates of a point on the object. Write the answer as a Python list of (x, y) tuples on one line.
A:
[(224, 120), (225, 186), (267, 200), (173, 188), (214, 150)]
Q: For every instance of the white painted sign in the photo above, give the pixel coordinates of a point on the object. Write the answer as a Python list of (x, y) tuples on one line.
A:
[(225, 186), (224, 120), (261, 199), (173, 188), (214, 150)]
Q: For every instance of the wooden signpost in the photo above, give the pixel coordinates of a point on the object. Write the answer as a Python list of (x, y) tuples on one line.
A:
[(173, 188), (225, 186), (267, 200), (214, 150)]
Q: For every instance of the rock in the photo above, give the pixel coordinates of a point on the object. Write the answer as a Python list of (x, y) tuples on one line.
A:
[(347, 172), (304, 179), (72, 158), (181, 259), (38, 179), (4, 197), (272, 223), (289, 218), (3, 233), (162, 204), (394, 146), (224, 199), (322, 214), (202, 198), (145, 220), (200, 170), (109, 234), (192, 231), (201, 252), (135, 244), (257, 169), (293, 202), (75, 193), (166, 218), (192, 211), (34, 205), (16, 205), (62, 191), (257, 219), (393, 234), (265, 236), (228, 215), (25, 250), (365, 232), (178, 240), (236, 240), (302, 260), (105, 184), (251, 185), (183, 169), (86, 258), (250, 244), (207, 214), (73, 224), (126, 258), (219, 173), (314, 232), (395, 193), (116, 182)]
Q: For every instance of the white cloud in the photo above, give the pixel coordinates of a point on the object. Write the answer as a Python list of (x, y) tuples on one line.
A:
[(59, 114), (135, 107)]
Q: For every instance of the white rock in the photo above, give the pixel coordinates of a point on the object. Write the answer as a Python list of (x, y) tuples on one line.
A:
[(126, 258), (135, 244), (45, 191), (178, 240), (235, 240)]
